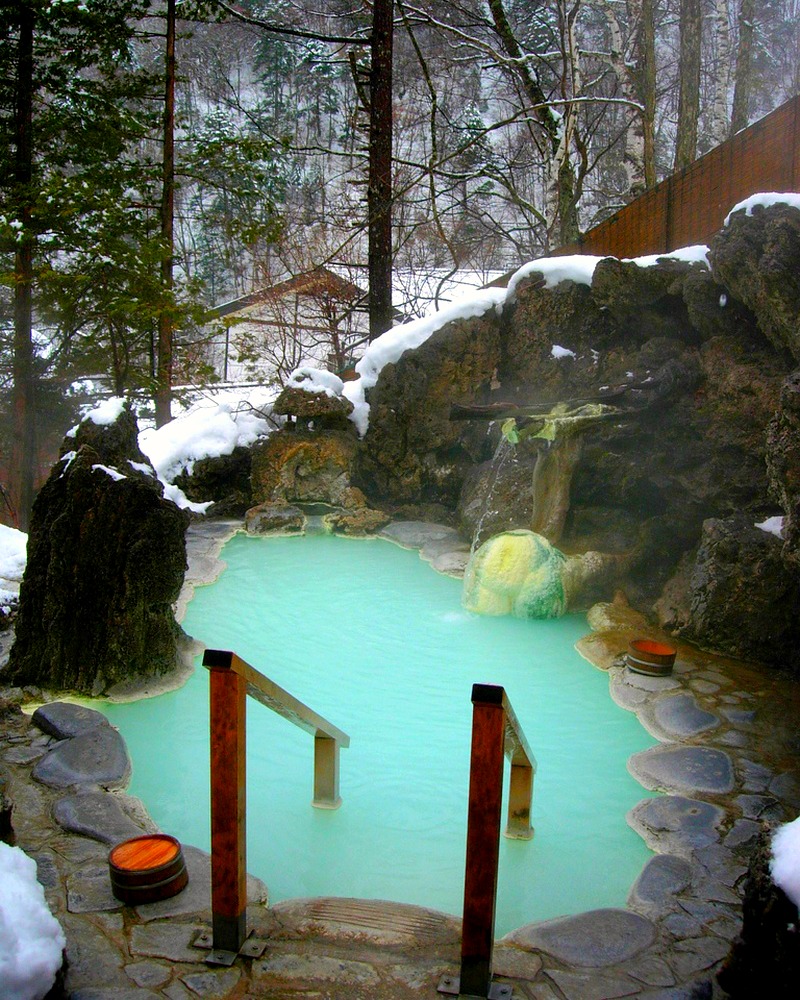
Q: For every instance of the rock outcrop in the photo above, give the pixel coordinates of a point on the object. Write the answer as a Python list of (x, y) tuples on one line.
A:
[(694, 369), (106, 558), (739, 598), (413, 451), (765, 958)]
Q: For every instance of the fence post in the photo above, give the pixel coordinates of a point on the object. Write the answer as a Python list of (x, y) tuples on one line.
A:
[(483, 839), (228, 802)]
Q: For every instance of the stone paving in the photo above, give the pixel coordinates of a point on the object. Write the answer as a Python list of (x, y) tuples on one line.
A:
[(728, 760)]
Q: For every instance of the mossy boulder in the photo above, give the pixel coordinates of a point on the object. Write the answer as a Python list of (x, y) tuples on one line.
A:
[(516, 573)]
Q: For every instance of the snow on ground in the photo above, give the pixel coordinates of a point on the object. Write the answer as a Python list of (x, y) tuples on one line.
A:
[(31, 939), (764, 200), (785, 863), (13, 554)]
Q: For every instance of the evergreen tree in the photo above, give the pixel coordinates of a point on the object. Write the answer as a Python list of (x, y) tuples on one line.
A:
[(62, 122)]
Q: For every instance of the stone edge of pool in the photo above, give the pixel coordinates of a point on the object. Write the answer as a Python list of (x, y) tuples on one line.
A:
[(721, 764)]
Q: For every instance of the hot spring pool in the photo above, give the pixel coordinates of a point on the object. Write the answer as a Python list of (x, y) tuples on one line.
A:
[(370, 637)]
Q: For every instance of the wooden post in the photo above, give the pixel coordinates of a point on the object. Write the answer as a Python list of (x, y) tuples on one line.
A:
[(326, 772), (483, 839), (520, 794), (228, 805)]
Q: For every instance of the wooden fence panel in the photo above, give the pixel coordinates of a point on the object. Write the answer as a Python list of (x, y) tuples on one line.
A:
[(690, 206)]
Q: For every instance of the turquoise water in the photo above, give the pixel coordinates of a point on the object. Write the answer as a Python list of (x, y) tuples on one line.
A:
[(369, 636)]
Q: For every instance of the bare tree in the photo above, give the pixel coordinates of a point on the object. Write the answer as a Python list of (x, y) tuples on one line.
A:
[(740, 116), (719, 126), (689, 83)]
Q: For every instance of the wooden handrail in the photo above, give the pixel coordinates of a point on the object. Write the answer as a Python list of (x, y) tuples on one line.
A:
[(495, 733), (270, 694), (231, 679)]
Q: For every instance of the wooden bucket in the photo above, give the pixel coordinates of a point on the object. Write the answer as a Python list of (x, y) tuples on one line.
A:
[(146, 869), (646, 656)]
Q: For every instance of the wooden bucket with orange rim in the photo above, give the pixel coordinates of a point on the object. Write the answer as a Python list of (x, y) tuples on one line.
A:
[(147, 868), (647, 656)]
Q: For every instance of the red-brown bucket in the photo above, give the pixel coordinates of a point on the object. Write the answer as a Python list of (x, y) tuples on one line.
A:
[(146, 869), (646, 656)]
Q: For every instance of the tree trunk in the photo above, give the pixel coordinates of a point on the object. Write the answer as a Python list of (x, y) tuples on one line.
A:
[(379, 188), (562, 194), (722, 72), (743, 80), (646, 74), (636, 74), (689, 73), (166, 316), (23, 448)]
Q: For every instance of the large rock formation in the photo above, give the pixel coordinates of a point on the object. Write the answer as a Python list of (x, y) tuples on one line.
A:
[(413, 451), (106, 558), (694, 368)]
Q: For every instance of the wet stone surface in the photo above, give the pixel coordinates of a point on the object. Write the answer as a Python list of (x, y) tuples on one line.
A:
[(730, 764), (684, 769)]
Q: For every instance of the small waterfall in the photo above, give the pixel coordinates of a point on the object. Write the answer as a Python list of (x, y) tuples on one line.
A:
[(503, 452)]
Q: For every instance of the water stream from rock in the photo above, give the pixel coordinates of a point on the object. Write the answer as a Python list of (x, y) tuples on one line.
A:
[(371, 637)]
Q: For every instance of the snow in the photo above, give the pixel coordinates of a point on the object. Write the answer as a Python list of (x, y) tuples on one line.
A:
[(697, 254), (211, 427), (785, 863), (561, 352), (106, 412), (316, 380), (772, 525), (574, 267), (31, 939), (13, 555), (764, 200), (113, 473)]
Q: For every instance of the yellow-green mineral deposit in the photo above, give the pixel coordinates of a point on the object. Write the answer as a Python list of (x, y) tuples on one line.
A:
[(516, 573)]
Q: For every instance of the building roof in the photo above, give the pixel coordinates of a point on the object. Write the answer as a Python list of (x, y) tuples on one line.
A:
[(319, 281)]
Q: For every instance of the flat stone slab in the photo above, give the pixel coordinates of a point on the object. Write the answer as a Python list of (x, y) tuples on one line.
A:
[(451, 563), (379, 922), (661, 879), (64, 720), (98, 757), (315, 969), (167, 940), (694, 822), (418, 534), (196, 897), (643, 682), (212, 984), (743, 831), (594, 986), (680, 715), (97, 815), (594, 939), (89, 891), (702, 770)]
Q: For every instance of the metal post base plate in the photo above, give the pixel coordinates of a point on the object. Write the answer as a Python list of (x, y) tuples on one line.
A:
[(252, 947), (451, 986)]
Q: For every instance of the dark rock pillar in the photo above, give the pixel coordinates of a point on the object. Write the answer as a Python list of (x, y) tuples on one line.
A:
[(106, 558)]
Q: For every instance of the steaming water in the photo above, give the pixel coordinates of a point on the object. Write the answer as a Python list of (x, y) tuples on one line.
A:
[(372, 638)]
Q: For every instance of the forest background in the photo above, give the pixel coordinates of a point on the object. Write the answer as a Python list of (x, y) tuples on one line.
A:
[(158, 158)]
